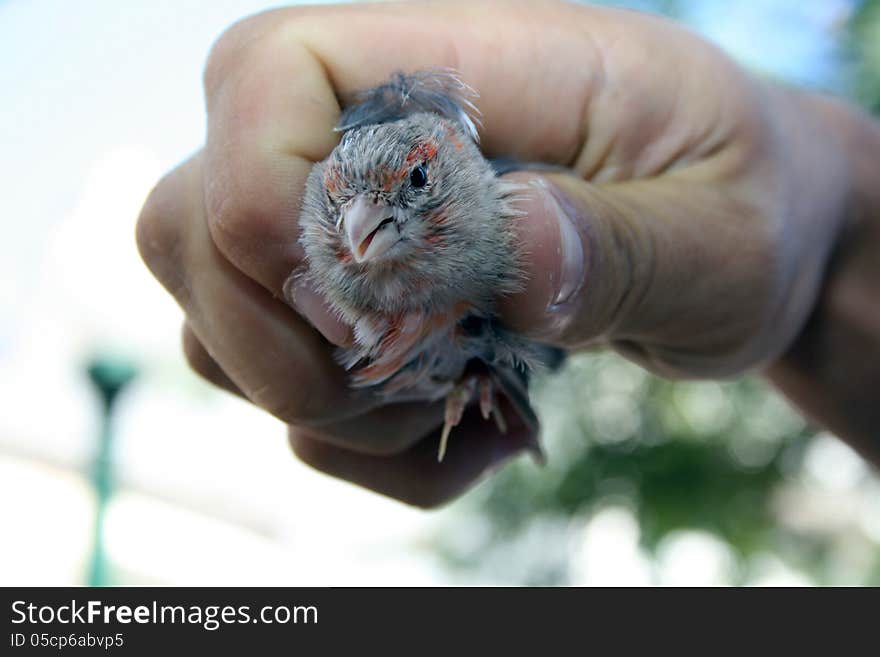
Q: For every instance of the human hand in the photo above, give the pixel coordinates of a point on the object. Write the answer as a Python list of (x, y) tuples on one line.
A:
[(691, 234)]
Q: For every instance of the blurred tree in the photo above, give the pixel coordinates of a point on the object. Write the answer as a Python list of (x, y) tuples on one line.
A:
[(722, 458)]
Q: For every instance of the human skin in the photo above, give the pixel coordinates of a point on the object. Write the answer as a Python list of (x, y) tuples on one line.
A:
[(701, 212)]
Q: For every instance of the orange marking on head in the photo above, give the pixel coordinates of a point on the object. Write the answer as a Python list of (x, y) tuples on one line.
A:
[(422, 152), (453, 137)]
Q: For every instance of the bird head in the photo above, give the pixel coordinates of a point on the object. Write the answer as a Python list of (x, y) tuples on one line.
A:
[(407, 213), (396, 189)]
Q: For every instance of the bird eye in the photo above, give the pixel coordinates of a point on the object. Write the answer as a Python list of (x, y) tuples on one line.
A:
[(418, 177)]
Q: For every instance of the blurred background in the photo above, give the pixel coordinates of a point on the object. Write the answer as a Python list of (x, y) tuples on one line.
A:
[(648, 482)]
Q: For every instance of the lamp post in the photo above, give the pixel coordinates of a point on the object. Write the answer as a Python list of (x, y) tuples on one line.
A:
[(109, 376)]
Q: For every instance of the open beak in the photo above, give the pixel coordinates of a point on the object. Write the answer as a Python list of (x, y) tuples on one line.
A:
[(369, 227)]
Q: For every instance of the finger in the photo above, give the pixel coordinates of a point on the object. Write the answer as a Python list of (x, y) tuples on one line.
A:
[(415, 477), (383, 431), (265, 349), (312, 305), (255, 173), (677, 275), (203, 364), (272, 85)]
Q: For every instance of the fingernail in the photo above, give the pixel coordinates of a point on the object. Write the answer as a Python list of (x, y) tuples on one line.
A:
[(313, 306), (570, 249)]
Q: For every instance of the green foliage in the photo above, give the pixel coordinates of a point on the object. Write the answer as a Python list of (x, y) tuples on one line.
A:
[(864, 44)]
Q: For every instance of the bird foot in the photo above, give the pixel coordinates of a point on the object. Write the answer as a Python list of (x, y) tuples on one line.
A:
[(458, 399)]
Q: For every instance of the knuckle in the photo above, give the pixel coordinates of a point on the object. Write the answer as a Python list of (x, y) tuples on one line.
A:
[(251, 206), (230, 48), (236, 210), (246, 205), (238, 44), (198, 358), (153, 230), (158, 235)]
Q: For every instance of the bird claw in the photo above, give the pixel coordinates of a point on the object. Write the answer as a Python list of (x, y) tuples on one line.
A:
[(458, 399), (500, 422), (487, 401)]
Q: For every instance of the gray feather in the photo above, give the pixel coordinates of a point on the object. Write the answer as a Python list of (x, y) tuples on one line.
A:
[(440, 92)]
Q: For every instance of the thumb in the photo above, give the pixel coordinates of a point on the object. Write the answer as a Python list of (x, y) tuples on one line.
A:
[(677, 275)]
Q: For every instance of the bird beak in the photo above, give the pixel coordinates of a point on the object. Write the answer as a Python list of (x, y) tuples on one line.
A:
[(369, 227)]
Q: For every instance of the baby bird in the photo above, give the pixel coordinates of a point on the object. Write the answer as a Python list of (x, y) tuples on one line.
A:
[(409, 233)]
